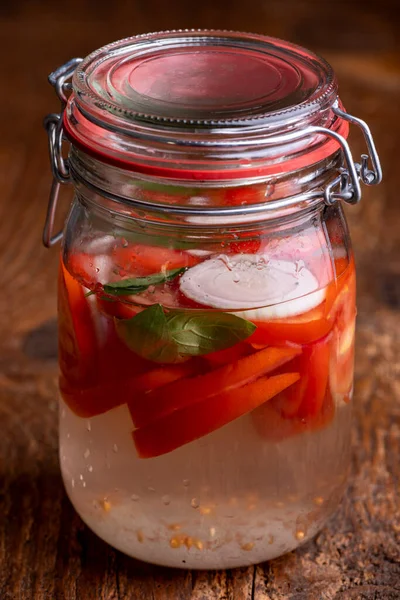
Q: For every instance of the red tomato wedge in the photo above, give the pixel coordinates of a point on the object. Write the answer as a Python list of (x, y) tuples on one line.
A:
[(342, 360), (187, 392), (306, 397), (341, 264), (138, 259), (195, 421), (77, 336), (229, 355), (116, 360), (116, 308), (316, 376), (301, 329), (344, 306), (244, 247), (271, 426), (92, 270), (97, 400)]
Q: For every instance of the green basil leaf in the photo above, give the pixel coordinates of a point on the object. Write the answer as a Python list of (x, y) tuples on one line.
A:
[(148, 334), (136, 285), (170, 337), (203, 332)]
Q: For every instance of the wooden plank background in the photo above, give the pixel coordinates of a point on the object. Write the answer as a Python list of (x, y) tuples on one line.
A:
[(46, 553)]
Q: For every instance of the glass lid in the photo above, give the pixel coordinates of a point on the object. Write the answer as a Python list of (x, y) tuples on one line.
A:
[(203, 78)]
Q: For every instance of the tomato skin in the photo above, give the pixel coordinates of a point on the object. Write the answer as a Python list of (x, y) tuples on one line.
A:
[(316, 323), (317, 359), (106, 395), (305, 398), (272, 426), (302, 329), (188, 392), (77, 336), (228, 356), (194, 421), (140, 260), (244, 247), (115, 308)]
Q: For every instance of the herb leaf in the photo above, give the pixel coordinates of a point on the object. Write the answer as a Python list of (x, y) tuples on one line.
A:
[(136, 285), (177, 334)]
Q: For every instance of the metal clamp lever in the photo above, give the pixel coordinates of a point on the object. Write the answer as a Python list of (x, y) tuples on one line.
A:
[(368, 176), (59, 79)]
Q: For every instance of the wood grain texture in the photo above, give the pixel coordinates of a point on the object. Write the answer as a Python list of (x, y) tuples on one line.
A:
[(46, 552)]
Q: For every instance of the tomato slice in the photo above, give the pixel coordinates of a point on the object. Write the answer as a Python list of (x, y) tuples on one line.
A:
[(92, 270), (244, 247), (90, 402), (144, 260), (272, 426), (305, 398), (195, 421), (115, 308), (342, 362), (229, 355), (180, 394), (77, 336), (302, 329)]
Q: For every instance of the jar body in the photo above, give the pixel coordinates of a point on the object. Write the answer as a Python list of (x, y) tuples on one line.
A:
[(228, 454)]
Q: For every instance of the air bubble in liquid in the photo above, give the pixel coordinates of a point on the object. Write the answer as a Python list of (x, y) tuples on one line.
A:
[(299, 266), (235, 277), (226, 260)]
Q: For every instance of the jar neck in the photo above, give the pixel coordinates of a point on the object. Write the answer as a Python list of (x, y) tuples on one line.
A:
[(179, 201)]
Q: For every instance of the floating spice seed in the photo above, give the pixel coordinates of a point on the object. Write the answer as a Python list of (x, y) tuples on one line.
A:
[(140, 536), (188, 542), (175, 542), (205, 510), (105, 505), (248, 546), (318, 500)]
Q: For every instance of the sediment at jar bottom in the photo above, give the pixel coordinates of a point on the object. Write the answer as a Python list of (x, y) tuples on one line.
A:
[(230, 499)]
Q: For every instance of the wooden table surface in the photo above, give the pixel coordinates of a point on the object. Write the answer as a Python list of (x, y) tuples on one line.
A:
[(46, 552)]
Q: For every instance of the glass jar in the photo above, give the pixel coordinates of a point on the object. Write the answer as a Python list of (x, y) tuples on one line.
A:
[(206, 294)]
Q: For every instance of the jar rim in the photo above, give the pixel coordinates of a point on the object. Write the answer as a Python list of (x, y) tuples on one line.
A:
[(283, 80), (263, 126)]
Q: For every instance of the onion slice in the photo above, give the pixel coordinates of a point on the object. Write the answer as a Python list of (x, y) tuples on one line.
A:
[(261, 289)]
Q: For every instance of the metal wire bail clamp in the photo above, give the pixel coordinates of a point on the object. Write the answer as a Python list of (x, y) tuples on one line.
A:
[(345, 187), (59, 79)]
